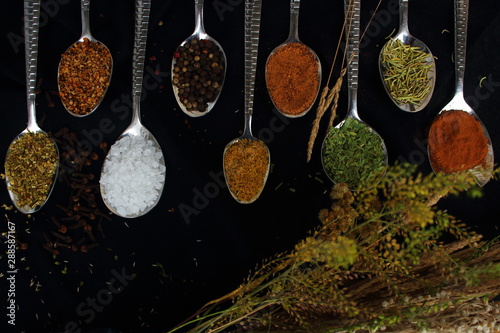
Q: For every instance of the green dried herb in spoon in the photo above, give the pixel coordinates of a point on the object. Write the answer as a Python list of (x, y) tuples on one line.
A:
[(353, 153), (406, 72)]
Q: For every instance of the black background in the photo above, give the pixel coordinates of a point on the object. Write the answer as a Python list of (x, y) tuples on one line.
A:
[(211, 251)]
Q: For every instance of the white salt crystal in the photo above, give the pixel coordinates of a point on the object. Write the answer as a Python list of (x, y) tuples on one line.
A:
[(133, 175)]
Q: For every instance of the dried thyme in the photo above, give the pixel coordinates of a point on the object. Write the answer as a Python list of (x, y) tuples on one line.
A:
[(406, 72), (353, 153), (30, 166)]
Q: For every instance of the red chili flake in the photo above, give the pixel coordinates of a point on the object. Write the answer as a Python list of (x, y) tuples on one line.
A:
[(157, 72), (152, 58), (177, 54)]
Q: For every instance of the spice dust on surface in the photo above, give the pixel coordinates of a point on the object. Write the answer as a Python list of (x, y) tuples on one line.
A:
[(30, 166), (292, 78), (246, 164), (456, 142), (84, 76)]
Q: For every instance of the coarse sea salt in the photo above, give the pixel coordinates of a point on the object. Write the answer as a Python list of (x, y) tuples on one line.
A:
[(133, 175)]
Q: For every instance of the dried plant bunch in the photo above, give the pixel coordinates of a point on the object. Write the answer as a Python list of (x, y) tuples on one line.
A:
[(376, 260)]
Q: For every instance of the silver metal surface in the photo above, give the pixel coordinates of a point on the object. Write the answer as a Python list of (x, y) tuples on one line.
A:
[(142, 11), (31, 28), (252, 31), (407, 39)]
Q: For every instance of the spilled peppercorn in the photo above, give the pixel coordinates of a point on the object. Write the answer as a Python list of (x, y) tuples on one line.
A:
[(78, 225), (198, 74)]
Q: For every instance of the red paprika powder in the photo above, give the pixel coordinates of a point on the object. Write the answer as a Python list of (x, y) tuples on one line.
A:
[(292, 78), (456, 142)]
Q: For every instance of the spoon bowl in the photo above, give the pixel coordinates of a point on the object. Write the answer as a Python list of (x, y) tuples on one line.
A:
[(252, 28), (484, 171), (352, 13), (199, 34), (135, 131), (153, 174), (380, 175), (419, 99), (293, 38), (94, 84), (31, 26), (257, 193), (28, 209)]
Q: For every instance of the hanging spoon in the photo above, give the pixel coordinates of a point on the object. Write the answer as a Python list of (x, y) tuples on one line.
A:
[(293, 40), (82, 94), (252, 27), (352, 12), (482, 172), (199, 100), (31, 25), (135, 131), (419, 98)]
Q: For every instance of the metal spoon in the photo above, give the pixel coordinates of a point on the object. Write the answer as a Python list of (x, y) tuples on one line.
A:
[(352, 12), (199, 34), (31, 25), (136, 128), (482, 173), (85, 11), (407, 39), (252, 28), (293, 37)]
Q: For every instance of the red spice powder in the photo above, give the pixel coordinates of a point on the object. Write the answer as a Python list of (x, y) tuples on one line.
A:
[(456, 142), (292, 78)]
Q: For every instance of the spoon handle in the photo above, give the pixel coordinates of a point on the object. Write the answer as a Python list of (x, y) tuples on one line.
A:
[(294, 19), (352, 11), (252, 29), (461, 14), (31, 23), (85, 9), (403, 16), (198, 16), (142, 10)]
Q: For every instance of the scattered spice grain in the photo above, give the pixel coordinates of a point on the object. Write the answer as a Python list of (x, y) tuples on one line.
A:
[(246, 165), (456, 142), (84, 76), (30, 166), (292, 78)]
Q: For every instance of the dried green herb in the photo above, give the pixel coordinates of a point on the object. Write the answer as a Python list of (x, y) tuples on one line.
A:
[(353, 154), (30, 166), (406, 72), (376, 262)]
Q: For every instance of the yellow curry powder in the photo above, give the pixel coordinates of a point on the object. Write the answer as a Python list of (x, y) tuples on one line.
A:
[(246, 164)]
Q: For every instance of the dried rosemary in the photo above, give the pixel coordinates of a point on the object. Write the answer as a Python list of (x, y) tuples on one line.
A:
[(30, 166), (406, 72), (353, 154)]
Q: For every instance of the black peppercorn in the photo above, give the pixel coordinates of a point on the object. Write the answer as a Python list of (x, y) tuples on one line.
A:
[(199, 72)]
